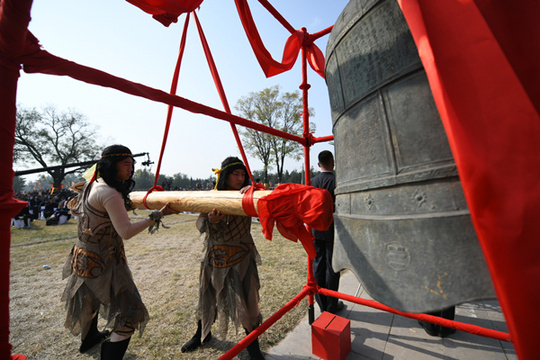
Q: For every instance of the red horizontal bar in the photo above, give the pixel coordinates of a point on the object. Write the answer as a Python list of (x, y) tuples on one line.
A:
[(472, 329), (322, 139)]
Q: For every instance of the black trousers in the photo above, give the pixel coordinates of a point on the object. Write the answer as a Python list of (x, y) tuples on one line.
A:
[(324, 274)]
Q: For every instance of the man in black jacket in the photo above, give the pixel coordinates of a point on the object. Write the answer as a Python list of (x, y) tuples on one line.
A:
[(324, 240)]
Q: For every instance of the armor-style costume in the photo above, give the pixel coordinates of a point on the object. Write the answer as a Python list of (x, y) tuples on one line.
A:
[(97, 269), (229, 280)]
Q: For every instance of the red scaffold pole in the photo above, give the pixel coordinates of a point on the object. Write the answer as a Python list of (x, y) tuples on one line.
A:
[(174, 86), (170, 108), (221, 92), (311, 282), (277, 15), (235, 350), (472, 329), (305, 114), (315, 140)]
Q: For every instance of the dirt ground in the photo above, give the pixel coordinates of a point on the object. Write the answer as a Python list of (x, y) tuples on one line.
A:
[(165, 267)]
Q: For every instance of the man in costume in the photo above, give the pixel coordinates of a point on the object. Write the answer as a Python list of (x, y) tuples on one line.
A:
[(97, 270), (324, 240), (229, 280)]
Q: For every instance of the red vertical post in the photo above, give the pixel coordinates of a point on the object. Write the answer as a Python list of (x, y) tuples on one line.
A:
[(311, 283), (305, 113), (14, 19)]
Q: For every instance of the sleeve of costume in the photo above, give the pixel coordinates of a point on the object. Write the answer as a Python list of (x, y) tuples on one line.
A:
[(205, 225), (114, 204), (201, 220)]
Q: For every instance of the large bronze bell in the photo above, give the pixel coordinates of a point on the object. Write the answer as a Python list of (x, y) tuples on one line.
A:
[(402, 223)]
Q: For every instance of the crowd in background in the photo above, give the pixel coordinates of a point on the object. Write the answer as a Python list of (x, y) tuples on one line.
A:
[(43, 205)]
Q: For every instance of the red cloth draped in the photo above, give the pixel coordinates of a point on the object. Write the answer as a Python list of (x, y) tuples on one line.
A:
[(166, 11), (293, 45), (482, 61), (290, 206)]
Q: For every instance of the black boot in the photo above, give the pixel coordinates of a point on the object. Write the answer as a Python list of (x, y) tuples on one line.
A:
[(438, 330), (114, 350), (254, 350), (195, 341), (93, 337)]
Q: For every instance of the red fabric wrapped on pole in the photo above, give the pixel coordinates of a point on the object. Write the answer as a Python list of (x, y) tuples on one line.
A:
[(481, 58), (292, 206)]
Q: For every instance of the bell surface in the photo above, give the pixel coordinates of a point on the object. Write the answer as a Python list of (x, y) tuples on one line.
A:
[(402, 225)]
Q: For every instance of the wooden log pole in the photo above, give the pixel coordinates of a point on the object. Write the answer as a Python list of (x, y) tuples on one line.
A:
[(228, 202)]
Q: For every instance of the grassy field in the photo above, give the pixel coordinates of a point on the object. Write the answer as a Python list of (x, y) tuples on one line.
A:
[(165, 267)]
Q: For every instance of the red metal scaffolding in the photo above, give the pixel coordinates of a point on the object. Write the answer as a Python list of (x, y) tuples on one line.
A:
[(511, 257)]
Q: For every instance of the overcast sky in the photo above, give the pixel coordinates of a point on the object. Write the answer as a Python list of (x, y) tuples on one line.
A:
[(119, 38)]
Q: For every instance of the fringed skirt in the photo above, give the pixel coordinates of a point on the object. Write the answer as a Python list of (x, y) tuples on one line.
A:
[(230, 293), (113, 294)]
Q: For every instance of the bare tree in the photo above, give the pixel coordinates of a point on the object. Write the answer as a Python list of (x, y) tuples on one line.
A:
[(261, 107), (52, 138), (291, 108), (283, 112)]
